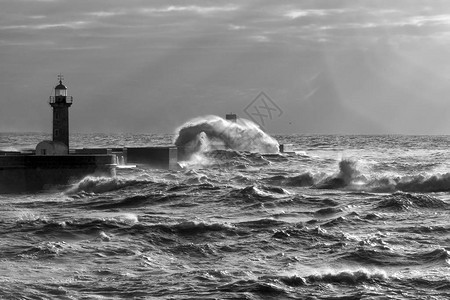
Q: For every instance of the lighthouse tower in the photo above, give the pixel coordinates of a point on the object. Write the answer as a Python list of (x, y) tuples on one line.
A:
[(61, 103)]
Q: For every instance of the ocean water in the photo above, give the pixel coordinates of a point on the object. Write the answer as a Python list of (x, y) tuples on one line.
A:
[(344, 217)]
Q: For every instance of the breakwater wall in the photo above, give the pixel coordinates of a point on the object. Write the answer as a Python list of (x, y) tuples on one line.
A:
[(19, 173)]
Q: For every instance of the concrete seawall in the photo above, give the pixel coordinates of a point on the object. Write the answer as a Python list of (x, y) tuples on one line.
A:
[(156, 157), (20, 173)]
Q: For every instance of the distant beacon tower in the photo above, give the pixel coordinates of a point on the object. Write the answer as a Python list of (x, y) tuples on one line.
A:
[(61, 103), (231, 117)]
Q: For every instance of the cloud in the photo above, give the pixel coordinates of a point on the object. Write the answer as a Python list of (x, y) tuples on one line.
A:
[(199, 9), (236, 27), (294, 14), (429, 20), (353, 24), (70, 25), (26, 43), (37, 17), (165, 10), (260, 38), (106, 14)]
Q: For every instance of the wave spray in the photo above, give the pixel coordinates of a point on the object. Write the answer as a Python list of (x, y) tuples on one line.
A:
[(209, 133)]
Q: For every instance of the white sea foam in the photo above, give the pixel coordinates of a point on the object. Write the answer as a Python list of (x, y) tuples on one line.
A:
[(336, 275), (127, 218)]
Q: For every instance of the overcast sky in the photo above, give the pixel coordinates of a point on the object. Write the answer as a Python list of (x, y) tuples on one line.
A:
[(340, 66)]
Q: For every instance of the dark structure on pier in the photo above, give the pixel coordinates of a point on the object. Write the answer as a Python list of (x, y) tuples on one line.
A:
[(231, 117)]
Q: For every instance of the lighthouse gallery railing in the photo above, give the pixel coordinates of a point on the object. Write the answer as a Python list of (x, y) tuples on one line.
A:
[(52, 99)]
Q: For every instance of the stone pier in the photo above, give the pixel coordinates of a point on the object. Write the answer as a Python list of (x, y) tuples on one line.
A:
[(27, 173)]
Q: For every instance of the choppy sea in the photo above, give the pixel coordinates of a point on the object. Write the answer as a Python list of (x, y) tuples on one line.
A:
[(344, 217)]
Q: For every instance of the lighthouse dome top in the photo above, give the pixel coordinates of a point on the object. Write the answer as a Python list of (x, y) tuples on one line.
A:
[(60, 86), (60, 89)]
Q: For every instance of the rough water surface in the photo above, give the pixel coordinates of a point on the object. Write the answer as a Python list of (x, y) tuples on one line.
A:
[(344, 217)]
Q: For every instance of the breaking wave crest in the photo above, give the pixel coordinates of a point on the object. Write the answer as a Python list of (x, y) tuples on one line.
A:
[(93, 184), (342, 277), (348, 172), (259, 193), (420, 183), (212, 132), (349, 177)]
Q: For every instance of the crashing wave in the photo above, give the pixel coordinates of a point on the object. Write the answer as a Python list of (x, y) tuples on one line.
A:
[(209, 133), (93, 184), (351, 277), (348, 172), (350, 178)]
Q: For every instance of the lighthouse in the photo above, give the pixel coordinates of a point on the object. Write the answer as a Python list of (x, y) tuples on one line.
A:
[(61, 103)]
